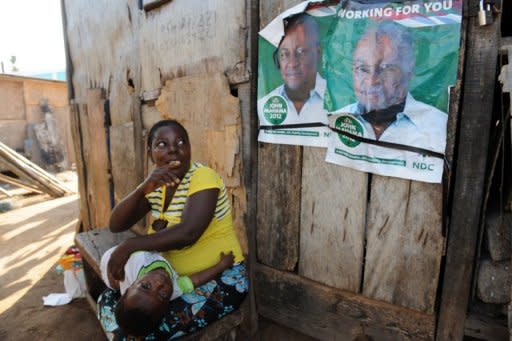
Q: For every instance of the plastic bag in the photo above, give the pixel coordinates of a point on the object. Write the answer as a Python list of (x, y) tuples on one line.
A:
[(74, 283)]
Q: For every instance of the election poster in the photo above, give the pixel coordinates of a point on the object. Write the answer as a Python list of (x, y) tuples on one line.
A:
[(389, 68), (291, 80), (369, 80)]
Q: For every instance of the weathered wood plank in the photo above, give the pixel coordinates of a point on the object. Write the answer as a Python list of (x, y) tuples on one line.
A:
[(140, 151), (332, 231), (24, 168), (124, 167), (480, 74), (212, 120), (96, 158), (192, 38), (249, 153), (404, 242), (18, 183), (102, 38), (69, 63), (213, 124), (74, 120), (279, 181), (485, 328), (249, 157), (332, 314), (138, 135), (93, 244), (3, 191)]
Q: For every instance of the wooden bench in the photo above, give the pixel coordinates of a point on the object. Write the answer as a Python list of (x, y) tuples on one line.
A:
[(93, 244)]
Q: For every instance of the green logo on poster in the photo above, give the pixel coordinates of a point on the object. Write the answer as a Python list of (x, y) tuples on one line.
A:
[(350, 125), (275, 109)]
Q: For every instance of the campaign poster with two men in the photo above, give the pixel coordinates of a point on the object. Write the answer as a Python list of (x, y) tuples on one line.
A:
[(368, 81)]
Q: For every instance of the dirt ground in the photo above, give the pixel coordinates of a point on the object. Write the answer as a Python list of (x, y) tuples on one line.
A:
[(32, 238)]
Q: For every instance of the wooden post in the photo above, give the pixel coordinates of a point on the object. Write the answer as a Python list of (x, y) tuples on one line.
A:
[(475, 120), (279, 187), (85, 211)]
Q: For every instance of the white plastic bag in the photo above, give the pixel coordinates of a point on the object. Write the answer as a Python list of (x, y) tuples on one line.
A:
[(74, 283)]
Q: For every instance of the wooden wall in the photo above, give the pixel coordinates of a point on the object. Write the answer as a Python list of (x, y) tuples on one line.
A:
[(368, 237), (120, 87), (335, 253)]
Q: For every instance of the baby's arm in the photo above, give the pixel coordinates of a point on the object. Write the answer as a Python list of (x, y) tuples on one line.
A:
[(107, 277), (202, 277)]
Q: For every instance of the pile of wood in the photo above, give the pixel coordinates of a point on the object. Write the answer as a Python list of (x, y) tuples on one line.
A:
[(30, 176)]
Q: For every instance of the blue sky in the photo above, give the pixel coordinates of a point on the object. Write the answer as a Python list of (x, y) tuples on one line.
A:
[(32, 30)]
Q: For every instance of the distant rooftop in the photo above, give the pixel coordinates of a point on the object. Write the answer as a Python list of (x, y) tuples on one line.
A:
[(57, 76), (51, 75)]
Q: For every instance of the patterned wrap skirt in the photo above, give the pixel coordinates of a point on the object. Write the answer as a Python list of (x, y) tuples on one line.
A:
[(187, 313)]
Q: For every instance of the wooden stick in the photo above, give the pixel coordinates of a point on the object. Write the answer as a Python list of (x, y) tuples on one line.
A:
[(48, 182), (32, 167), (16, 182), (19, 169), (13, 155), (5, 192)]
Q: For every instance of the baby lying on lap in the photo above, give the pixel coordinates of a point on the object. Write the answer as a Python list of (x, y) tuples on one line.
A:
[(149, 284)]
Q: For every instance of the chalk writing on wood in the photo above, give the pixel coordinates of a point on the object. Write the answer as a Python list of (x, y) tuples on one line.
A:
[(188, 30)]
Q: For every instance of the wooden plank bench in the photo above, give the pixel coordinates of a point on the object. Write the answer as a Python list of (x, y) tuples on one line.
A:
[(92, 245)]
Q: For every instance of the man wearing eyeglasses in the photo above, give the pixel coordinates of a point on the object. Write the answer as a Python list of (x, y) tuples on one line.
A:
[(302, 91), (383, 65)]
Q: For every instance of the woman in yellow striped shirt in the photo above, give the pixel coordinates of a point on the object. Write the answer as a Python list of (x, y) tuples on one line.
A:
[(193, 226)]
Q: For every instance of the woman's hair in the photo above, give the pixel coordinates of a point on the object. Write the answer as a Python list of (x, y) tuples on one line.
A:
[(136, 321), (164, 123)]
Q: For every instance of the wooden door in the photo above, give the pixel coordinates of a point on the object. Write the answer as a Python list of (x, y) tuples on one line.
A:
[(342, 253)]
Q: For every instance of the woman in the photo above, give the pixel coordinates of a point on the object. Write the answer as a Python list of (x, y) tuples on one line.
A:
[(194, 226)]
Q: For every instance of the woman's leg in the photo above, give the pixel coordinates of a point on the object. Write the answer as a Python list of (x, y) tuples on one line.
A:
[(190, 312)]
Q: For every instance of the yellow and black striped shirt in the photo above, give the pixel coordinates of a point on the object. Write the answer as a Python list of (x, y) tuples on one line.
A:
[(218, 237)]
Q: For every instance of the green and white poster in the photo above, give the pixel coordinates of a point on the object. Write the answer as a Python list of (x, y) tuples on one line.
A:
[(387, 68), (291, 81)]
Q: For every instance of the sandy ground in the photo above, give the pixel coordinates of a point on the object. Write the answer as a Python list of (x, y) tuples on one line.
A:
[(32, 239)]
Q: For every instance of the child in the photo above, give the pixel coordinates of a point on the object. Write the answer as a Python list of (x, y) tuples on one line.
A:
[(149, 284)]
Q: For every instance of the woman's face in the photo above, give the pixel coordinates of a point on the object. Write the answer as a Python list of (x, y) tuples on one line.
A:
[(170, 143)]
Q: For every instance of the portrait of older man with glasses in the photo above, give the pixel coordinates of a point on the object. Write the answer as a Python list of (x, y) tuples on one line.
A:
[(297, 58), (382, 67)]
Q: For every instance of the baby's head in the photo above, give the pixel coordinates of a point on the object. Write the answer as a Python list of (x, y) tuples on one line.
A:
[(142, 307)]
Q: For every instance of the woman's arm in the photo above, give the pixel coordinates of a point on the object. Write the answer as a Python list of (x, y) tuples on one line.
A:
[(196, 217), (134, 206), (128, 211), (202, 277)]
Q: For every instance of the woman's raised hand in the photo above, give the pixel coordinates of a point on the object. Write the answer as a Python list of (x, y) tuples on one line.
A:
[(163, 175)]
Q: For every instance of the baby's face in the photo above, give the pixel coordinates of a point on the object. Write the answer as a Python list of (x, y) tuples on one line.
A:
[(152, 290)]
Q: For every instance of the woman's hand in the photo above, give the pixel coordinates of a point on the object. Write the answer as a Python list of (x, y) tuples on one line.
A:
[(135, 206), (226, 260), (118, 259), (163, 175)]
